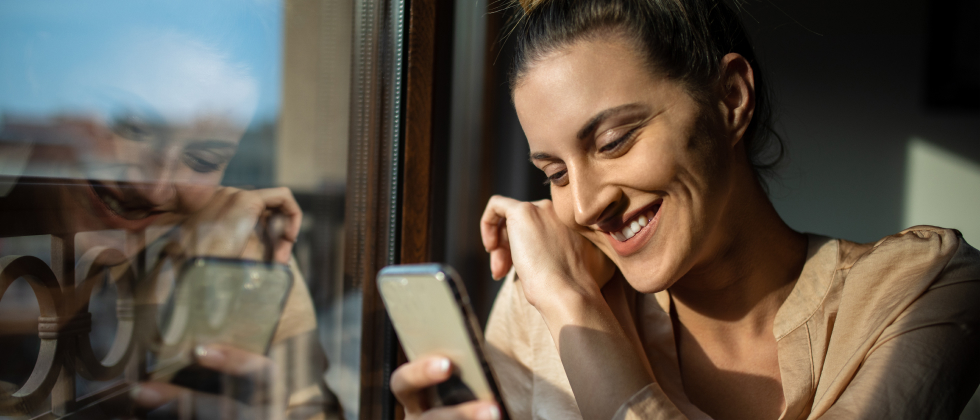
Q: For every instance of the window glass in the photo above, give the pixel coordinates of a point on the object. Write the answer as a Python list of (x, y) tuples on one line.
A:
[(172, 195)]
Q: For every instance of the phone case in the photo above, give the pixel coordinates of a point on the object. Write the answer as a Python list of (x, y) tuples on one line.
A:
[(221, 300), (431, 314)]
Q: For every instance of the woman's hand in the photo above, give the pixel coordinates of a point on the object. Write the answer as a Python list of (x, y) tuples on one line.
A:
[(411, 381), (548, 256), (226, 226), (562, 275), (252, 372)]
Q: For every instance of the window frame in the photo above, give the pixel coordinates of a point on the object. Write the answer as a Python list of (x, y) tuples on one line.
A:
[(399, 134)]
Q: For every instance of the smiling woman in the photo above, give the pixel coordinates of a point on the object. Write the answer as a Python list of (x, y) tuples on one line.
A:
[(126, 122), (659, 281)]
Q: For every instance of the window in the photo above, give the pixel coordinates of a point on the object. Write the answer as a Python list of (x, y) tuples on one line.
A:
[(133, 140)]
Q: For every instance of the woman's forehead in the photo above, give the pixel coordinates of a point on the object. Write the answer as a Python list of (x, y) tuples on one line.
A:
[(564, 90)]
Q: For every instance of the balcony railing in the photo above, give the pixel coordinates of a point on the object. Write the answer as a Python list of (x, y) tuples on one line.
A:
[(64, 326)]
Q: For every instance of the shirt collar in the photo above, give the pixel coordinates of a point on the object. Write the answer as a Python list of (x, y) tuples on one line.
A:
[(811, 288)]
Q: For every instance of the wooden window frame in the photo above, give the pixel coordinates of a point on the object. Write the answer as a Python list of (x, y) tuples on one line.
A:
[(399, 129)]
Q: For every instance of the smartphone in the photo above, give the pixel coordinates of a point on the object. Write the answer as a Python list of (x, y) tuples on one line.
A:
[(219, 301), (431, 314)]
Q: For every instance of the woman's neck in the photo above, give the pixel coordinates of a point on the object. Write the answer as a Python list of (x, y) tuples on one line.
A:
[(748, 276)]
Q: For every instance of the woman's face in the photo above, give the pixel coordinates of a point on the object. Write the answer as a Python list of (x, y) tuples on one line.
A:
[(129, 172), (636, 165), (151, 136), (138, 170)]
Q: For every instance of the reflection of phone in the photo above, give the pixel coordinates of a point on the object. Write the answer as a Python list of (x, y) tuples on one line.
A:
[(220, 301), (431, 313)]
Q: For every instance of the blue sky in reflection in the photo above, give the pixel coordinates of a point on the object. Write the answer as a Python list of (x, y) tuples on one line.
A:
[(59, 56)]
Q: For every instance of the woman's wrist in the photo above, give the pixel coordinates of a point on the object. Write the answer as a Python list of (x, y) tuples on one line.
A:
[(580, 307), (604, 365)]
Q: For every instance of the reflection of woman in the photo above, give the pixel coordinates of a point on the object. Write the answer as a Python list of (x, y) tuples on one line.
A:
[(144, 150), (659, 282)]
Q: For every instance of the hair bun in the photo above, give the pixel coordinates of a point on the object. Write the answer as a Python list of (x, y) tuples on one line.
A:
[(529, 5)]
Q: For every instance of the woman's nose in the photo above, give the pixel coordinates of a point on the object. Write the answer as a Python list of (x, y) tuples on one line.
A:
[(153, 184), (592, 197)]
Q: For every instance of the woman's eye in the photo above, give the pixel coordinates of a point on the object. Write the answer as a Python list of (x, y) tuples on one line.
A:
[(616, 144), (202, 164), (557, 179), (131, 131)]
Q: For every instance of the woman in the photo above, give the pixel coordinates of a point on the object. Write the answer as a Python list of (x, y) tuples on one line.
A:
[(659, 281), (132, 159)]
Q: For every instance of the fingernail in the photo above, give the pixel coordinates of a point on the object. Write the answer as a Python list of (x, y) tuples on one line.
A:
[(439, 367), (490, 413), (202, 352), (145, 396)]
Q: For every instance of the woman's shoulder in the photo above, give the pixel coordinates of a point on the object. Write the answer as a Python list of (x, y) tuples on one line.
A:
[(298, 315), (918, 254), (879, 281), (511, 315), (896, 313)]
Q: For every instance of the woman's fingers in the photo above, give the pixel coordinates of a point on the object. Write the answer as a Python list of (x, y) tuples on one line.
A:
[(500, 262), (282, 199), (410, 379), (473, 410), (232, 361), (494, 219), (500, 258), (151, 395), (228, 222), (493, 229), (225, 360), (245, 209)]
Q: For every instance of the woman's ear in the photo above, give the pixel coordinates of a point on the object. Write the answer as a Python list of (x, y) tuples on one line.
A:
[(737, 85)]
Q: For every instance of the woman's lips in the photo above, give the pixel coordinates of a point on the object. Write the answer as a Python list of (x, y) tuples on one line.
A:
[(636, 232), (115, 213)]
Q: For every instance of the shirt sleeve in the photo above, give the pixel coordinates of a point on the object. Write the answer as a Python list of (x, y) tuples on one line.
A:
[(650, 403), (509, 349), (295, 349), (512, 355)]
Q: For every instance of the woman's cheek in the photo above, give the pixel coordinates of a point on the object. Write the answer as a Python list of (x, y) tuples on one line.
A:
[(561, 199), (194, 194), (651, 169)]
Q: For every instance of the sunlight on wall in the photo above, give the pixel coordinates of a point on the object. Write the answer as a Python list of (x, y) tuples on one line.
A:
[(942, 189)]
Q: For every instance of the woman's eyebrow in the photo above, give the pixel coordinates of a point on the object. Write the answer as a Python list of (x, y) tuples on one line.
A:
[(212, 144), (540, 156), (593, 123)]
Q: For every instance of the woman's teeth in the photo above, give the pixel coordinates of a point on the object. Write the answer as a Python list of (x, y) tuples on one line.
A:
[(119, 209), (634, 227)]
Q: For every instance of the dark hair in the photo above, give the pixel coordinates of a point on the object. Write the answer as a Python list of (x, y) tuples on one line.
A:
[(682, 39)]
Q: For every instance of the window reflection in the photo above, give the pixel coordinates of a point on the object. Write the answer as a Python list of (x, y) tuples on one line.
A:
[(139, 142)]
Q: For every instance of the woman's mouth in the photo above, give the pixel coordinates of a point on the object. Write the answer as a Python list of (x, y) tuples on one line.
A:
[(116, 206), (636, 231), (633, 227)]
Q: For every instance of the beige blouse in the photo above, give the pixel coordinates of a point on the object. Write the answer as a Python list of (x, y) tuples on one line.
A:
[(296, 350), (885, 330)]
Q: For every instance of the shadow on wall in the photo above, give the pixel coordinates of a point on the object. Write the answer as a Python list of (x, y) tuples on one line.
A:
[(850, 90)]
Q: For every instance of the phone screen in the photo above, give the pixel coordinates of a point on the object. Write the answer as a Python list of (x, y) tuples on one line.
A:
[(430, 311), (221, 301)]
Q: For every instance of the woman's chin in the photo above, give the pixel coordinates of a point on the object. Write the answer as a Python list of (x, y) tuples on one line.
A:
[(646, 279), (657, 267)]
